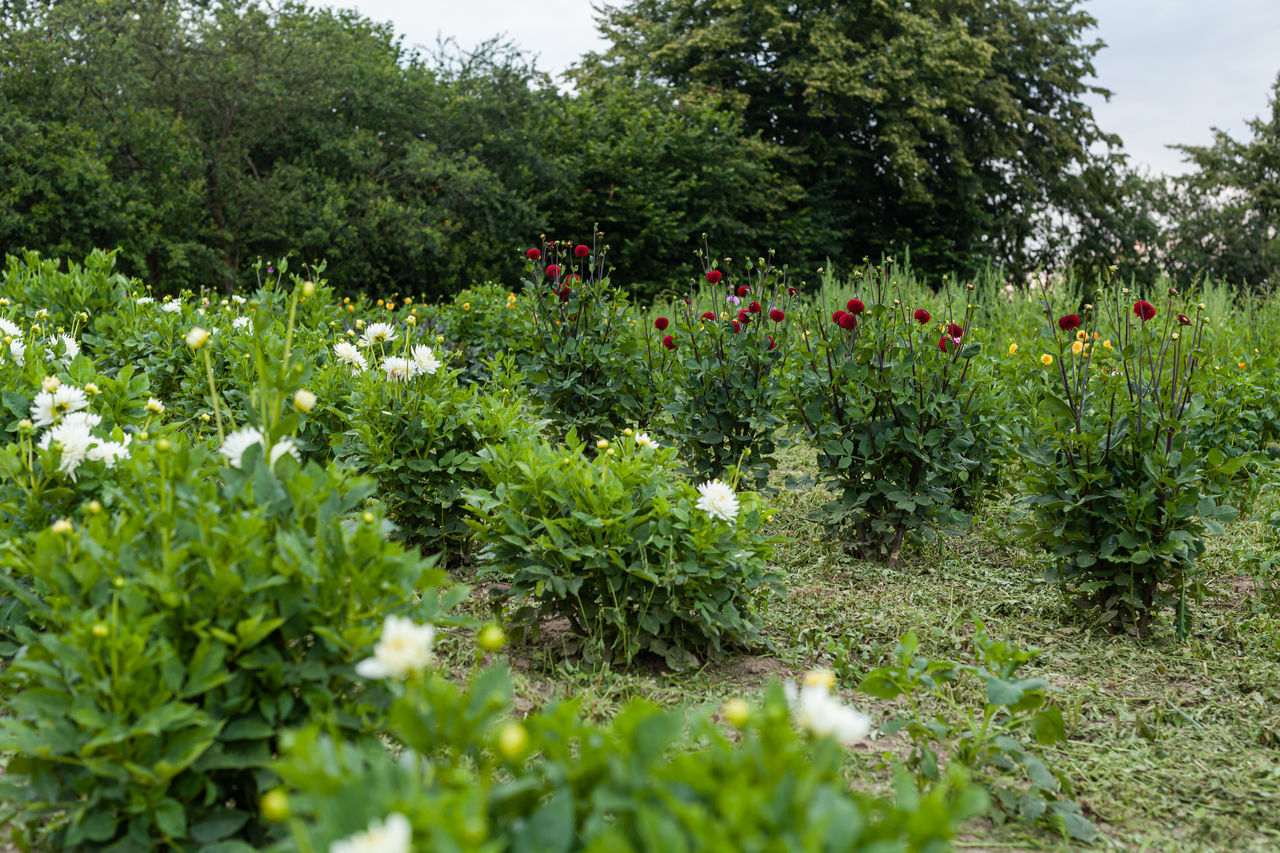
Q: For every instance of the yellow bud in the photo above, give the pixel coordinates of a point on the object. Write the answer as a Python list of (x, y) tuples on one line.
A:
[(163, 445), (367, 517), (304, 401), (308, 289), (491, 638), (204, 416), (92, 388), (275, 805), (602, 444), (411, 320), (1013, 348), (737, 712), (50, 383), (94, 507), (513, 740), (61, 526), (100, 629), (627, 432), (820, 678)]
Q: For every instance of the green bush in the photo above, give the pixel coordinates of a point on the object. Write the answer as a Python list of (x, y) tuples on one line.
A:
[(1113, 489), (650, 780), (721, 357), (622, 547), (178, 625), (885, 393)]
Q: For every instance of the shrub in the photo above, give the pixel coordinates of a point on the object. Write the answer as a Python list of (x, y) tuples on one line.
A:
[(885, 393), (178, 626), (420, 439), (622, 548), (584, 360), (652, 780), (720, 359), (1112, 489)]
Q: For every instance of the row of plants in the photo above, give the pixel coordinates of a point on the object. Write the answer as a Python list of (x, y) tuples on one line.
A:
[(213, 506)]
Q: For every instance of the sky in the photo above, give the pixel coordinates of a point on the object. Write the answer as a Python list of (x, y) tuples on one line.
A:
[(1176, 70)]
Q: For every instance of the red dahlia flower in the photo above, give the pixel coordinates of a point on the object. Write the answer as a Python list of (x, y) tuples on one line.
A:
[(553, 270), (848, 322), (855, 306), (755, 308), (533, 254), (581, 250), (791, 291), (744, 317), (736, 327), (669, 342), (955, 330), (660, 324), (564, 293), (835, 317), (708, 315), (714, 277), (772, 343), (1144, 309), (1184, 320), (743, 291), (776, 315), (922, 316), (1069, 322), (948, 344)]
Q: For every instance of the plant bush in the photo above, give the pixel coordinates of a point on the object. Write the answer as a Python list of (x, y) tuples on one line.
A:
[(178, 625), (721, 358), (622, 548), (652, 779), (585, 360), (885, 394), (996, 738), (1112, 488)]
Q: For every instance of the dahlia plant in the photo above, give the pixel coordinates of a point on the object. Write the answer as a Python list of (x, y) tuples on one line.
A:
[(722, 353), (885, 392), (1113, 491), (584, 361)]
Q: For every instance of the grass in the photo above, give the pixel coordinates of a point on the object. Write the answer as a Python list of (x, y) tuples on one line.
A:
[(1172, 746)]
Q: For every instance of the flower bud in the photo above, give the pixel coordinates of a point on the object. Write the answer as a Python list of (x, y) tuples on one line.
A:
[(163, 445), (602, 444), (94, 507), (513, 740), (275, 806), (308, 289), (92, 388), (50, 383), (736, 711), (491, 638), (304, 401), (367, 517), (61, 526), (26, 426), (101, 630)]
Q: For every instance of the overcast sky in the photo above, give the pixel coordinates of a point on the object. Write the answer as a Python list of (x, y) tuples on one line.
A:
[(1176, 67)]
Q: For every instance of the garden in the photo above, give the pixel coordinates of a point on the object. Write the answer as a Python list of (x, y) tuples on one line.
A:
[(864, 560)]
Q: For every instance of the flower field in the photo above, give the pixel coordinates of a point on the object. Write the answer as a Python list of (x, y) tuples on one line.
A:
[(857, 563)]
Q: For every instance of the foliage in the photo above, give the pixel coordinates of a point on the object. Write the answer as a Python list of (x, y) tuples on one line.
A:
[(948, 127), (1225, 211), (420, 440), (584, 359), (619, 546), (1112, 487), (166, 657), (888, 406), (650, 779), (989, 739), (721, 358)]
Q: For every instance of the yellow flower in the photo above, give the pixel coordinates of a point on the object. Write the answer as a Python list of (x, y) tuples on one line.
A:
[(737, 712), (466, 306), (824, 677), (1240, 365), (1013, 348), (1046, 359), (1082, 335), (1077, 347), (1106, 344)]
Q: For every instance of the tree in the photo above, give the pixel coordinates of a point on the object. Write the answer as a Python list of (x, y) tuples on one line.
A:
[(1226, 214), (949, 127)]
